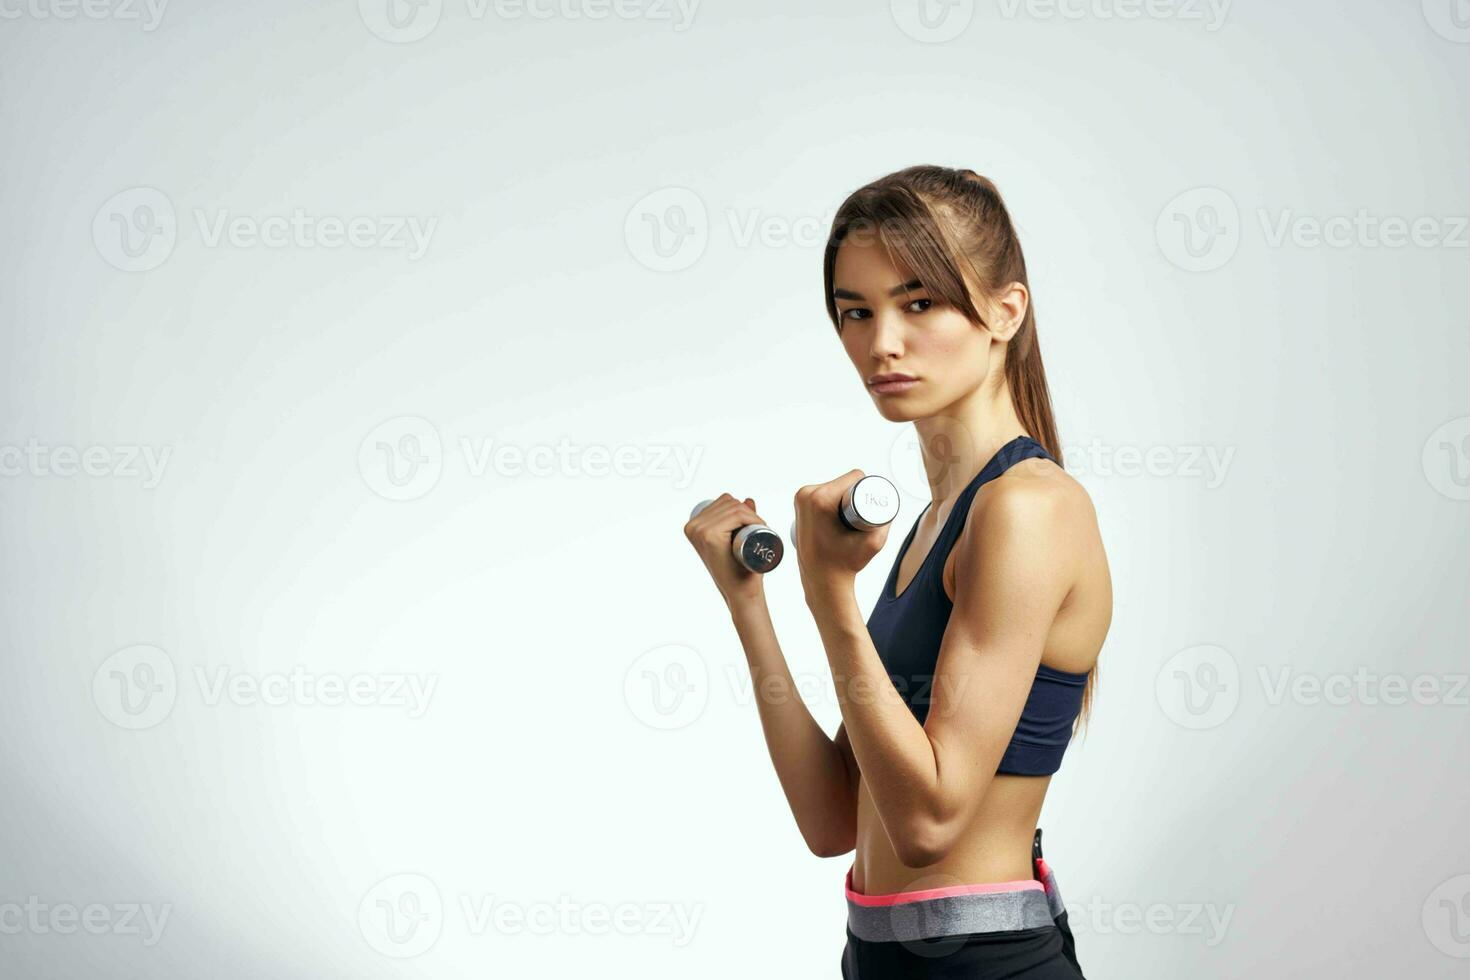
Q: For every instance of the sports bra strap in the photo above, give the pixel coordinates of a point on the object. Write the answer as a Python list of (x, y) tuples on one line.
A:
[(1013, 452)]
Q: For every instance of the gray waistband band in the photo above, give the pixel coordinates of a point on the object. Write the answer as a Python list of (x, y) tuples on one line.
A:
[(933, 918)]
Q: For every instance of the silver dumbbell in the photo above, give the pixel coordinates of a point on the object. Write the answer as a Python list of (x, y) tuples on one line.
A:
[(870, 502), (755, 546)]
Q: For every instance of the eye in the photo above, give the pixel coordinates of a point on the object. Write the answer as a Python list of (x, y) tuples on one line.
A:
[(847, 314)]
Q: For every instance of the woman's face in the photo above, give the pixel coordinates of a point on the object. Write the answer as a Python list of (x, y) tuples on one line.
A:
[(887, 329)]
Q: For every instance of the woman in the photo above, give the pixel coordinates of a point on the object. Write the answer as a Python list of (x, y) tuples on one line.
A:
[(961, 690)]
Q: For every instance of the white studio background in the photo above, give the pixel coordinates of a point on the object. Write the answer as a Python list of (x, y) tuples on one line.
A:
[(361, 365)]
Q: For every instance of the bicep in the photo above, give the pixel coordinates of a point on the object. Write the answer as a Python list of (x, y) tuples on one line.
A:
[(1012, 571)]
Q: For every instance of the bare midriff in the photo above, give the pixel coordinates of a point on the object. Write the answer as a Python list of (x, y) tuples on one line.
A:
[(995, 847)]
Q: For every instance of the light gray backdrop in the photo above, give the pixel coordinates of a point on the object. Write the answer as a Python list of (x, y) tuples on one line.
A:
[(361, 365)]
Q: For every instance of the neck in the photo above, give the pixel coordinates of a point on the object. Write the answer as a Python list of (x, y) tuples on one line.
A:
[(960, 440)]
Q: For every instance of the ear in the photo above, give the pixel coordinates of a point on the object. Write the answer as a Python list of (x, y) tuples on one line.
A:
[(1009, 306)]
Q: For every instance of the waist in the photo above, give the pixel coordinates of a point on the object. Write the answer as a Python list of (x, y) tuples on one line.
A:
[(948, 909), (996, 846)]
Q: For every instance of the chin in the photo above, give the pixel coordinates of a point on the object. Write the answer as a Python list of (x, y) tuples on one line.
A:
[(898, 409)]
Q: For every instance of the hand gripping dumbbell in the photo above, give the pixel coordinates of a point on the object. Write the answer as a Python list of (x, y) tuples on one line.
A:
[(870, 502), (755, 546)]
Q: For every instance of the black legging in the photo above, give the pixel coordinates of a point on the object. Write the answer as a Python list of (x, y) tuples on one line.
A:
[(1046, 953), (1041, 953)]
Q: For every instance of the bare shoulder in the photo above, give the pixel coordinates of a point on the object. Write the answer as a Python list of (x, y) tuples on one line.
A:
[(1036, 498), (1038, 523), (1035, 509)]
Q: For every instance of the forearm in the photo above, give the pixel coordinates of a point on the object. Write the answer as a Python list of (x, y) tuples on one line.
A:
[(809, 765), (892, 748)]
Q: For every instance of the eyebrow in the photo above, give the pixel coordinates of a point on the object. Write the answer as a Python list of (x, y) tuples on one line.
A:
[(909, 286)]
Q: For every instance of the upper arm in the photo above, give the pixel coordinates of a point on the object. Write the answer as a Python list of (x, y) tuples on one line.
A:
[(1014, 564)]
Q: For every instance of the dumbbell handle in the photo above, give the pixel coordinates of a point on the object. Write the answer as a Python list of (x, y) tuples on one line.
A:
[(755, 546)]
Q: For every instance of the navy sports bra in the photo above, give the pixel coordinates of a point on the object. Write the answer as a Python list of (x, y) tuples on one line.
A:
[(906, 630)]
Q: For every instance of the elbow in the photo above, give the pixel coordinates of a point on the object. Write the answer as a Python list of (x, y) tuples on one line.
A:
[(925, 842), (832, 847), (932, 831)]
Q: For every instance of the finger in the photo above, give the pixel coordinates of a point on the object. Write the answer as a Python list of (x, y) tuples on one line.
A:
[(710, 514), (730, 517), (755, 517), (716, 506)]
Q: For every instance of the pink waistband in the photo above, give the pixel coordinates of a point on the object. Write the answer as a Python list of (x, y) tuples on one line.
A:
[(949, 891)]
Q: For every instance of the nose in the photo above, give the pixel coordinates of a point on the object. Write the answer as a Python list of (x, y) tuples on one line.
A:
[(887, 337)]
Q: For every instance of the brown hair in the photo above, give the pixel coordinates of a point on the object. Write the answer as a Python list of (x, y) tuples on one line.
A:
[(939, 221)]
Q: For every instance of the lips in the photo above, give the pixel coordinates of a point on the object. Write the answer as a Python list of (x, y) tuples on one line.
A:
[(891, 384)]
